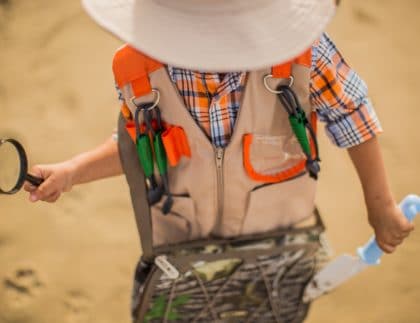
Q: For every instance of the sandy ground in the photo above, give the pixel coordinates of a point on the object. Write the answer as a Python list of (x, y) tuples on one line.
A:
[(72, 261)]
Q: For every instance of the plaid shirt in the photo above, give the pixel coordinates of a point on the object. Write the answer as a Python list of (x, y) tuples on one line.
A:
[(337, 94)]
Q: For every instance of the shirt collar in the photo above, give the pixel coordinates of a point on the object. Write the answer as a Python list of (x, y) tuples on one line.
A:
[(232, 81)]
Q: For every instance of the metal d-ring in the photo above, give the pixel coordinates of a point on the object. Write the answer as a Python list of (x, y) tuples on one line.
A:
[(155, 103), (270, 76)]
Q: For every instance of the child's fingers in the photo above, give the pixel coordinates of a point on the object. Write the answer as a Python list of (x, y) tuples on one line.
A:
[(36, 171), (28, 187), (387, 248), (401, 234), (45, 190), (33, 197), (388, 243), (404, 225), (397, 242), (391, 243), (394, 239), (409, 227)]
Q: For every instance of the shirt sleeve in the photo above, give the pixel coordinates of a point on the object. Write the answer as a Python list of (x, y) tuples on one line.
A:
[(339, 96)]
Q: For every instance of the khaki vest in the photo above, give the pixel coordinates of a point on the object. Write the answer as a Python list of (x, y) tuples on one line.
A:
[(214, 194)]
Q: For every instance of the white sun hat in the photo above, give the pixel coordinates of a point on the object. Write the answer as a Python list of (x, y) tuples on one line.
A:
[(215, 35)]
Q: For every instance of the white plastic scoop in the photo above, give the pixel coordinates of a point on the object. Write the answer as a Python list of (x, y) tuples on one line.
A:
[(346, 266)]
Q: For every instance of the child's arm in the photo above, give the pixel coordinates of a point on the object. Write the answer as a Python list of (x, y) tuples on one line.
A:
[(340, 98), (390, 225), (101, 162)]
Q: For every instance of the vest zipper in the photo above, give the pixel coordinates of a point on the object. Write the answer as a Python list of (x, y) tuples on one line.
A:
[(220, 152)]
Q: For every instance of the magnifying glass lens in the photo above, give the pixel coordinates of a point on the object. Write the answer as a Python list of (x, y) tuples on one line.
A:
[(10, 166)]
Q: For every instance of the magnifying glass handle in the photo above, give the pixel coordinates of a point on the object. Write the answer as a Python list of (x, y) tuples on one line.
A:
[(34, 180)]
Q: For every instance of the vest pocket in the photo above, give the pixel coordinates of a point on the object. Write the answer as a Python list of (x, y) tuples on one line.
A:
[(279, 205), (178, 225), (271, 159)]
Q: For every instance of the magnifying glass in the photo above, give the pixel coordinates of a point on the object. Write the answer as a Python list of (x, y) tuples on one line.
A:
[(14, 167)]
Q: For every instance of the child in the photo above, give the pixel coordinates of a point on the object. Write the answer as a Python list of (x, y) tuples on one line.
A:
[(208, 48)]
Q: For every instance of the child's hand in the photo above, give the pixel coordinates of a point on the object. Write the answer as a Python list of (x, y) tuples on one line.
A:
[(390, 225), (57, 179)]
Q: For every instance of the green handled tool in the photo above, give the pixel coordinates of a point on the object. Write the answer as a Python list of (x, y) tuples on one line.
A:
[(145, 155), (161, 159), (297, 122), (300, 126), (162, 163)]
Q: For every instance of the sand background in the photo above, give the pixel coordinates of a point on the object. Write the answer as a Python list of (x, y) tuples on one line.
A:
[(72, 261)]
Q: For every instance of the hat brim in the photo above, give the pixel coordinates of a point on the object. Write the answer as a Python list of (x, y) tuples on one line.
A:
[(257, 34)]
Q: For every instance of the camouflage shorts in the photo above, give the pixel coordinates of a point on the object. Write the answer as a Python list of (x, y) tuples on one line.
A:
[(268, 289)]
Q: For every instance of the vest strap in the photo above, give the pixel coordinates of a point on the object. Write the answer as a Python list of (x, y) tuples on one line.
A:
[(133, 67), (136, 182), (285, 70), (309, 146)]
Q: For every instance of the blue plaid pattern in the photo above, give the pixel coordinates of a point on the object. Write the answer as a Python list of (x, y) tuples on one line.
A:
[(340, 97), (212, 100)]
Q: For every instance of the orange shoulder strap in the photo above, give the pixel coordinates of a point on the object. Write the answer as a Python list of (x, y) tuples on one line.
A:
[(133, 67), (285, 70)]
